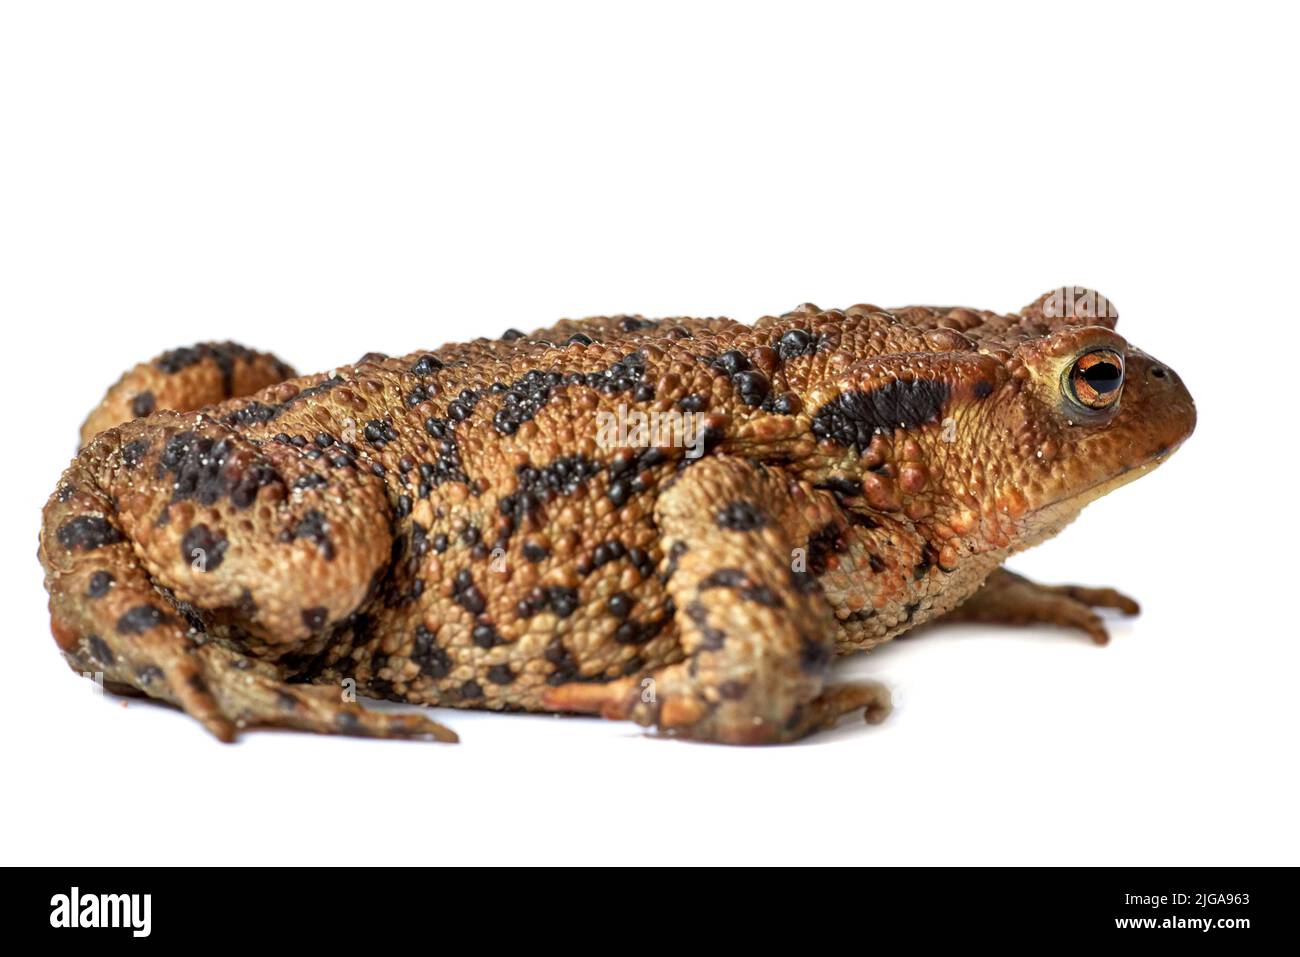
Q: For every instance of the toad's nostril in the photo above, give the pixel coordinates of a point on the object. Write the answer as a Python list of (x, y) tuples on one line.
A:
[(1158, 372)]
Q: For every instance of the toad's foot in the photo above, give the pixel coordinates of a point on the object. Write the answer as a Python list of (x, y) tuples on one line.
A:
[(228, 692), (682, 714), (252, 695), (1010, 599)]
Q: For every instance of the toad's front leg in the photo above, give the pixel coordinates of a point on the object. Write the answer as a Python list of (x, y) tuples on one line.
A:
[(758, 637), (1010, 599)]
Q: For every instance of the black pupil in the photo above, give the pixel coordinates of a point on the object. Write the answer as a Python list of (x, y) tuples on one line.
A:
[(1103, 376)]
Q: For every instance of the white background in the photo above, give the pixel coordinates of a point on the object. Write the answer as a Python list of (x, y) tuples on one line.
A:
[(327, 179)]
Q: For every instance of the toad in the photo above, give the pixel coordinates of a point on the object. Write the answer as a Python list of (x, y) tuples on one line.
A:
[(678, 522)]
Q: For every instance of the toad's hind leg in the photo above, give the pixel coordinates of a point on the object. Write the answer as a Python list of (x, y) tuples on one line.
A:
[(183, 380), (758, 637), (179, 566), (1006, 598)]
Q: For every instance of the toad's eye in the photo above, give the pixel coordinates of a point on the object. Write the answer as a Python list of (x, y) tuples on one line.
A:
[(1095, 379)]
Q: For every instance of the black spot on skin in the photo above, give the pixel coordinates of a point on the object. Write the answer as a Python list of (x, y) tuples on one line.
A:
[(87, 532), (510, 335), (485, 636), (472, 600), (566, 666), (224, 354), (732, 690), (983, 389), (254, 413), (198, 468), (315, 618), (724, 578), (814, 656), (526, 396), (140, 619), (618, 492), (150, 673), (731, 362), (311, 480), (99, 648), (641, 561), (320, 388), (143, 404), (379, 432), (523, 399), (133, 452), (909, 611), (862, 521), (841, 486), (100, 583), (421, 393), (315, 528), (501, 675), (639, 632), (460, 408), (713, 437), (740, 516), (619, 604), (607, 552), (804, 582), (692, 403), (852, 418), (785, 404), (430, 658), (675, 554), (711, 639), (735, 578), (66, 492), (563, 601), (876, 562), (211, 548), (929, 559), (796, 342), (466, 593), (419, 541), (447, 466), (377, 685), (826, 542), (539, 486), (471, 690), (426, 365), (535, 553), (762, 595), (752, 387)]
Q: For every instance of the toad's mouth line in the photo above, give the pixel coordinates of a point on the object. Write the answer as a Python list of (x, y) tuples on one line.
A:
[(1079, 500)]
